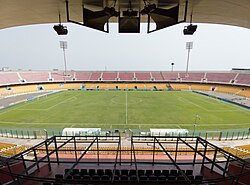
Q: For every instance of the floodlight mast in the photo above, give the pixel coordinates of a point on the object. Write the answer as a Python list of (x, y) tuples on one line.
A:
[(189, 46), (172, 64), (64, 45)]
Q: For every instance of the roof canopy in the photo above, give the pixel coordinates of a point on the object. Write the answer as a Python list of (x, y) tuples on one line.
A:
[(26, 12)]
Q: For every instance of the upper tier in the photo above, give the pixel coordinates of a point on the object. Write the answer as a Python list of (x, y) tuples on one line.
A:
[(23, 77)]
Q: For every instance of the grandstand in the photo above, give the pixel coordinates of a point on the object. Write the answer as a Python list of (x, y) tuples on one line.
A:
[(19, 82), (18, 77)]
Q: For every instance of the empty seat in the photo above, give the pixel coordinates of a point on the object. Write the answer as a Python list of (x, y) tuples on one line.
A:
[(165, 172), (143, 178), (189, 172), (133, 177), (108, 172), (132, 172), (124, 172), (152, 178), (100, 172), (116, 178), (190, 177), (162, 178), (180, 178), (117, 172), (75, 171), (141, 172), (181, 172), (84, 172), (157, 172), (124, 178), (92, 172), (96, 177), (148, 172), (173, 172), (171, 178), (69, 177), (105, 178), (86, 177), (77, 176)]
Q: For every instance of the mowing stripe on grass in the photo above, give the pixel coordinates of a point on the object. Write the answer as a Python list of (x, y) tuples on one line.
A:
[(108, 110)]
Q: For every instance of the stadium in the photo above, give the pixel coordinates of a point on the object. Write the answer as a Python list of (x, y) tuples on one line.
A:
[(119, 126)]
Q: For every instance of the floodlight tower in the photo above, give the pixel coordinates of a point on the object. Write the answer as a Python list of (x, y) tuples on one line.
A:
[(64, 46), (172, 64), (189, 46)]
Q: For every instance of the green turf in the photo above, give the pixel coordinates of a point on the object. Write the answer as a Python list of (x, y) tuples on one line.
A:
[(107, 109)]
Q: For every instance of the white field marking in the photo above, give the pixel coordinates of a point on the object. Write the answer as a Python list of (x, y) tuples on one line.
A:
[(47, 99), (60, 123), (120, 103), (225, 110), (138, 124), (185, 100), (179, 126), (14, 108), (17, 107), (46, 109), (74, 97), (231, 104)]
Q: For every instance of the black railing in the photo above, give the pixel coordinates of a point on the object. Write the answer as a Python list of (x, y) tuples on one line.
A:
[(126, 159)]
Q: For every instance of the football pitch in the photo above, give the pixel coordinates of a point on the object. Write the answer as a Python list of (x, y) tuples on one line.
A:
[(124, 110)]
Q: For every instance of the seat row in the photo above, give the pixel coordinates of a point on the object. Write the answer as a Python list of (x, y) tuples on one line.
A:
[(107, 175), (95, 178), (140, 172)]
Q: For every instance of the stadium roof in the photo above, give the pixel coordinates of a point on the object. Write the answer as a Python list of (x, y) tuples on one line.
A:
[(26, 12)]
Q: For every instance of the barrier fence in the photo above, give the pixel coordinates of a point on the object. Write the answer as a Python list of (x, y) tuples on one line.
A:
[(225, 135)]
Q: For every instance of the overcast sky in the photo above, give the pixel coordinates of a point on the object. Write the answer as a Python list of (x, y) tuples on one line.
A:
[(215, 47)]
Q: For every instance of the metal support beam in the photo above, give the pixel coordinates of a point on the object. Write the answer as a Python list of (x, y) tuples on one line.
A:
[(133, 149), (176, 150), (226, 166), (204, 156), (116, 159), (24, 165), (47, 152), (154, 152), (195, 150), (82, 155), (214, 159), (172, 160), (57, 157), (98, 155), (36, 162), (75, 148)]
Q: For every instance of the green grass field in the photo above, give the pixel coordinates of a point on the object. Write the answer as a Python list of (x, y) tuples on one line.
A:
[(120, 109)]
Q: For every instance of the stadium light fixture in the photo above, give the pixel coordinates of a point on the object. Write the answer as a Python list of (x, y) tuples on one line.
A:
[(60, 29), (64, 46), (172, 64), (190, 29), (189, 46)]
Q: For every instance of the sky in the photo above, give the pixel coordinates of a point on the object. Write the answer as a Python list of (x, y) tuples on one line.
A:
[(36, 47)]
